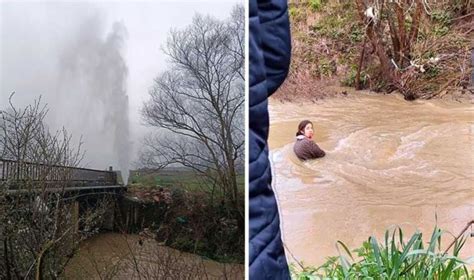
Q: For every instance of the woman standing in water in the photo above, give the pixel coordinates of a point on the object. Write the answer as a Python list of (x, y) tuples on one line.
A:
[(305, 148)]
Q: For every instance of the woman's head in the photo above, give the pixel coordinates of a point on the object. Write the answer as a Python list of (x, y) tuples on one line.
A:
[(305, 128)]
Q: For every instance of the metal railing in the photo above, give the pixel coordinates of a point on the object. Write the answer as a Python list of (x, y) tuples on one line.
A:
[(22, 171)]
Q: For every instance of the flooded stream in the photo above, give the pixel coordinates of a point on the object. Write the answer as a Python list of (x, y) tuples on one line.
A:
[(130, 256), (388, 162)]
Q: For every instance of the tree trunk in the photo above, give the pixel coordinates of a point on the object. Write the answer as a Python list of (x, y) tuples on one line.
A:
[(7, 261), (359, 68), (40, 260)]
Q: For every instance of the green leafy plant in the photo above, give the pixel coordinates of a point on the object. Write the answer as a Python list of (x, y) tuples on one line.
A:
[(393, 259), (315, 4), (350, 79), (357, 34), (442, 21), (296, 14), (442, 17), (326, 67), (432, 72)]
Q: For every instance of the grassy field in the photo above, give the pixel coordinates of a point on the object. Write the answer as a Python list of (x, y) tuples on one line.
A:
[(174, 178)]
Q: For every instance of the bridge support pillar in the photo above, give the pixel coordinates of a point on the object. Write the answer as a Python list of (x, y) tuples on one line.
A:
[(75, 216), (109, 217)]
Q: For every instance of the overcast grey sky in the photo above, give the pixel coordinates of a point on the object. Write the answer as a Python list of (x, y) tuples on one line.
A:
[(40, 38)]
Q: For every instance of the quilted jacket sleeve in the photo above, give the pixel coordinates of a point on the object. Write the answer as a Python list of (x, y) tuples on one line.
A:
[(276, 41), (269, 49)]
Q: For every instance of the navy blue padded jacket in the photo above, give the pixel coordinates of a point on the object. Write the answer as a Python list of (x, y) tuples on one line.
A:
[(269, 60)]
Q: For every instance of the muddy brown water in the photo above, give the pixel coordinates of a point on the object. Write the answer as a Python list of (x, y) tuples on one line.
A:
[(130, 256), (389, 162)]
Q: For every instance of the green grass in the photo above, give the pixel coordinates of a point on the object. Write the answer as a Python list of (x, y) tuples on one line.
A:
[(350, 79), (395, 258), (315, 4), (337, 23), (169, 178), (175, 178)]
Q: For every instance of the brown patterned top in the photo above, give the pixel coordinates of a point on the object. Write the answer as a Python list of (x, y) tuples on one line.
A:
[(305, 149)]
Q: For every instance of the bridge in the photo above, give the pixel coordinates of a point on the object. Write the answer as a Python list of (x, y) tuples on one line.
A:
[(17, 175), (80, 188)]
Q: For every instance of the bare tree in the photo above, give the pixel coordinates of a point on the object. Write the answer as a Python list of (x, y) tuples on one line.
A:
[(38, 229), (392, 29), (199, 101)]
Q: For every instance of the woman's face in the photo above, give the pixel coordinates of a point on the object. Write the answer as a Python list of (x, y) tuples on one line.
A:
[(308, 131)]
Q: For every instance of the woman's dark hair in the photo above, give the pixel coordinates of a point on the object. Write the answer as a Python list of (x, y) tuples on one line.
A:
[(301, 127)]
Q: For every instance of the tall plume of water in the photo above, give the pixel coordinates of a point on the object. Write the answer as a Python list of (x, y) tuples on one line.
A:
[(92, 87), (70, 55)]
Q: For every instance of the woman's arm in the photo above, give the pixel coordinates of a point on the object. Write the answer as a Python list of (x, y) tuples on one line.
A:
[(316, 151)]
